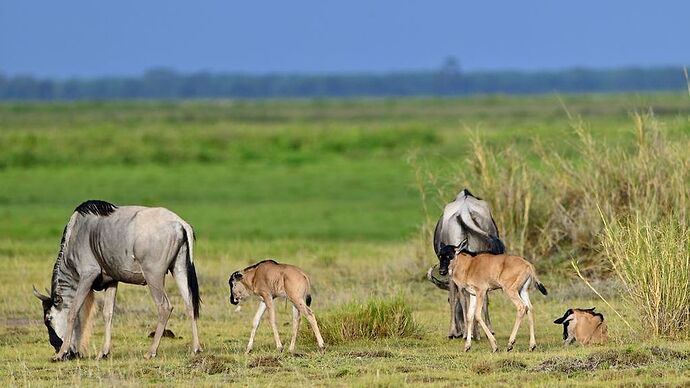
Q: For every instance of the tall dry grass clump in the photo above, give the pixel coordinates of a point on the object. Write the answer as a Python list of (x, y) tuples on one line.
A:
[(557, 209), (652, 261)]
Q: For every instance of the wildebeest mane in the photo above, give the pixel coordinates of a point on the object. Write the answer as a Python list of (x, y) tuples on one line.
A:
[(96, 207), (259, 263)]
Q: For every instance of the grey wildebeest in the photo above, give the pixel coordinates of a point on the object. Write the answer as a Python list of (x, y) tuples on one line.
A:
[(486, 272), (269, 279), (103, 245), (467, 222), (584, 326)]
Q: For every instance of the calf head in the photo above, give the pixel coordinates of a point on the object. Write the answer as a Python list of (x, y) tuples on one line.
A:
[(565, 321), (238, 290), (446, 254)]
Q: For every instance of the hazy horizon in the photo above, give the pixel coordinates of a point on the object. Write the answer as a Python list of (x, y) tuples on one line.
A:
[(82, 39)]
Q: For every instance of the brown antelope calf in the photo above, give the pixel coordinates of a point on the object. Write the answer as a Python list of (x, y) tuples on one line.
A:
[(584, 326), (268, 280), (486, 272)]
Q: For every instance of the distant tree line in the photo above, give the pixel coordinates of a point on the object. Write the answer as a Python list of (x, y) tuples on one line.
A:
[(447, 81)]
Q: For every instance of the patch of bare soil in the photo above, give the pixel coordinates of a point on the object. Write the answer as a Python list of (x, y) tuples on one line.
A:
[(606, 359), (265, 361), (370, 354)]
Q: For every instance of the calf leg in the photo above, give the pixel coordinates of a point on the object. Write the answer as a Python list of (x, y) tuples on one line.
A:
[(108, 308), (306, 311), (272, 316), (469, 324), (478, 316), (295, 327), (521, 309), (255, 325)]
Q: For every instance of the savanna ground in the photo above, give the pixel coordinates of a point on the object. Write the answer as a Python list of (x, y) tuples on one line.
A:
[(332, 186)]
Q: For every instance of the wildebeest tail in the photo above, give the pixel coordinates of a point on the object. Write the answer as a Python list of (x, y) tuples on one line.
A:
[(308, 300), (192, 282)]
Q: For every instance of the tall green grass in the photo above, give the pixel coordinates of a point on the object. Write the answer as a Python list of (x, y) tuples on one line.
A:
[(652, 261), (373, 319)]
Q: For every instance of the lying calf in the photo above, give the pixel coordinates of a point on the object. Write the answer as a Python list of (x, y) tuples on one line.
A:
[(268, 280), (584, 326)]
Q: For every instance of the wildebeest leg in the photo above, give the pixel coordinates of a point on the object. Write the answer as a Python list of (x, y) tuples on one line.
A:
[(180, 276), (521, 309), (272, 317), (255, 325), (457, 317), (83, 290), (108, 308), (306, 311), (156, 283), (295, 327)]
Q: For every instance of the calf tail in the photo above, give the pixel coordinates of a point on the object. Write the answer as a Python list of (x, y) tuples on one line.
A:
[(192, 282), (308, 300), (537, 283)]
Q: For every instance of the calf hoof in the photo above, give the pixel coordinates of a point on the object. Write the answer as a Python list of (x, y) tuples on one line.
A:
[(468, 347), (280, 349), (494, 349), (532, 347), (197, 351), (510, 346), (149, 356), (103, 356), (249, 350)]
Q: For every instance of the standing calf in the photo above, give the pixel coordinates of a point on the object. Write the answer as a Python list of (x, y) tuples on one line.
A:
[(584, 326), (268, 280), (485, 272)]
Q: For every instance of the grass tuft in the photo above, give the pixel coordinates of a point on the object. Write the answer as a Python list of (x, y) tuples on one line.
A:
[(373, 319)]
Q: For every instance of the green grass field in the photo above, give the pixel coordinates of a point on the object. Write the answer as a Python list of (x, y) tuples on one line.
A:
[(327, 185)]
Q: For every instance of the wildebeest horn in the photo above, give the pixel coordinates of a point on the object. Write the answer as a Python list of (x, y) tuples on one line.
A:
[(437, 282), (40, 296)]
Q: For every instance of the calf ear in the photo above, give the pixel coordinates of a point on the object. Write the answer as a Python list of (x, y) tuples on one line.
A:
[(565, 316)]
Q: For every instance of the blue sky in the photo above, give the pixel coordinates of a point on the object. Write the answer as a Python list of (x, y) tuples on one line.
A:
[(93, 38)]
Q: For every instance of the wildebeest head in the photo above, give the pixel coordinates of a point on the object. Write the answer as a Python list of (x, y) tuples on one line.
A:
[(238, 291), (54, 317)]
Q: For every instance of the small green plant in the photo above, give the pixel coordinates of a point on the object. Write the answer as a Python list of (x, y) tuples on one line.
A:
[(375, 318)]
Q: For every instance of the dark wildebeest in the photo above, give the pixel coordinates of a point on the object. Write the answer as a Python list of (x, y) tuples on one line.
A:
[(104, 244), (466, 222)]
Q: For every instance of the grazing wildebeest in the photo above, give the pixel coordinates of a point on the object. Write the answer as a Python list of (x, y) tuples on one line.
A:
[(465, 222), (269, 279), (486, 272), (104, 244), (584, 326)]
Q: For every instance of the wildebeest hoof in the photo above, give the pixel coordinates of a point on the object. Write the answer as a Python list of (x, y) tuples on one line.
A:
[(58, 357), (197, 351)]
